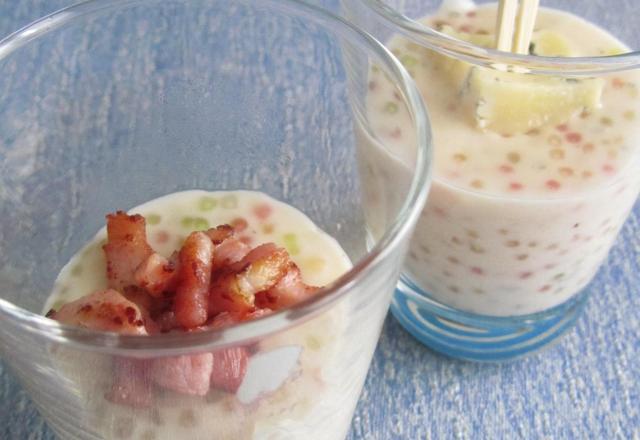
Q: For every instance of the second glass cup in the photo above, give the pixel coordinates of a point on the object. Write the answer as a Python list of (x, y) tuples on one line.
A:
[(109, 104), (536, 160)]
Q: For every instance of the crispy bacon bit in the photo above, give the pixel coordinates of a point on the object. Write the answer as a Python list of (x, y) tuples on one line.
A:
[(105, 310), (131, 383), (126, 248), (228, 252), (259, 270), (191, 300), (287, 292), (156, 275), (220, 233)]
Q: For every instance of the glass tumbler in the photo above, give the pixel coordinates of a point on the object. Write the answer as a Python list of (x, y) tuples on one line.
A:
[(535, 165), (108, 104)]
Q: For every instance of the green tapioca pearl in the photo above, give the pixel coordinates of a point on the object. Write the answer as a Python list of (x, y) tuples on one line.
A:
[(313, 343), (408, 61), (153, 219), (200, 224), (229, 202), (391, 108), (207, 203), (187, 222), (291, 243)]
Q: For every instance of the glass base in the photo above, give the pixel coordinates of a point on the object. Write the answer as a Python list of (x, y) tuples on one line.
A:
[(480, 338)]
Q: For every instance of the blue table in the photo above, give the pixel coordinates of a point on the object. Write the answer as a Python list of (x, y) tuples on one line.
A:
[(587, 386)]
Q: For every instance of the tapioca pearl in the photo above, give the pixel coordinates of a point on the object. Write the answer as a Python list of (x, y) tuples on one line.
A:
[(453, 260), (153, 219), (476, 248), (440, 212), (562, 127), (608, 169), (512, 243), (477, 184), (161, 237), (513, 157), (557, 154), (505, 169), (559, 276), (229, 202), (478, 291), (503, 231), (515, 186), (409, 61), (566, 171), (550, 266), (290, 241), (76, 271), (194, 223), (390, 108), (447, 274), (396, 133), (606, 121), (545, 288), (459, 157), (552, 185), (373, 85), (587, 174), (532, 244), (554, 140), (454, 289), (522, 257), (187, 418), (573, 137), (612, 154), (267, 229), (629, 115), (525, 275), (456, 240), (617, 83), (473, 234), (207, 203), (477, 270), (239, 224)]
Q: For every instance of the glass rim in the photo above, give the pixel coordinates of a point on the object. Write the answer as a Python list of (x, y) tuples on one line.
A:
[(482, 56), (247, 332)]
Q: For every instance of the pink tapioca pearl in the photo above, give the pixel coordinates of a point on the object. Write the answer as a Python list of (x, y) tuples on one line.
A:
[(549, 266), (506, 169), (465, 28), (262, 211), (573, 137), (477, 270), (552, 184), (608, 168), (562, 127), (239, 224), (544, 288), (516, 186), (471, 14), (397, 95), (439, 211), (373, 85), (525, 275), (617, 83), (453, 260), (162, 237), (396, 133), (246, 239)]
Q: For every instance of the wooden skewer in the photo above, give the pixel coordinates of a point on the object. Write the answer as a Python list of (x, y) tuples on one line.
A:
[(515, 25), (524, 26)]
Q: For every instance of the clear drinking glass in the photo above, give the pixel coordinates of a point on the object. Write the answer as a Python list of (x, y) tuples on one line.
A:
[(535, 169), (109, 104)]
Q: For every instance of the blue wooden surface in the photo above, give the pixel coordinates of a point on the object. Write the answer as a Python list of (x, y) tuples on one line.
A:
[(587, 386)]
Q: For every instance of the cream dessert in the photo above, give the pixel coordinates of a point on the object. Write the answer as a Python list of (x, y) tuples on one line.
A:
[(286, 385), (534, 175)]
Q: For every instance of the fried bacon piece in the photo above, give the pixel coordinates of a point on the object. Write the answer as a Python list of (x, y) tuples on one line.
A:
[(105, 310), (192, 294), (126, 248), (260, 269)]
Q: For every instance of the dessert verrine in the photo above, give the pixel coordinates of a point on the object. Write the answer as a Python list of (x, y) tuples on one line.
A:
[(206, 260), (534, 174)]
